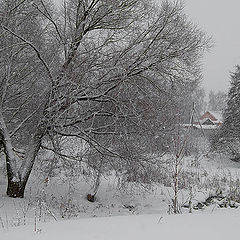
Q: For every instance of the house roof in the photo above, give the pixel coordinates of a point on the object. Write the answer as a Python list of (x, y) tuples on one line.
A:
[(213, 116)]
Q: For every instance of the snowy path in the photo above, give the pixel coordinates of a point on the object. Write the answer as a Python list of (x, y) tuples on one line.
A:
[(221, 224)]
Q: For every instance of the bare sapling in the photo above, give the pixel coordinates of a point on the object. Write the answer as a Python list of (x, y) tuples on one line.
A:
[(179, 149)]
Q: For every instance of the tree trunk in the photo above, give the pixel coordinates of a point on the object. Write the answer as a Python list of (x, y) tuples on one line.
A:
[(18, 177), (16, 185), (16, 189)]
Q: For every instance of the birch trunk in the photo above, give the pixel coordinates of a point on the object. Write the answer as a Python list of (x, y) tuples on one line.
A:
[(11, 159), (16, 187), (18, 177)]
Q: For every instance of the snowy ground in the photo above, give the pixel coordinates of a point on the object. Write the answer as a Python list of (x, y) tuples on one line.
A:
[(126, 213), (218, 225)]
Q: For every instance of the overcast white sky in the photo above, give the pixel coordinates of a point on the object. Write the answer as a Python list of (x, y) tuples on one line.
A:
[(221, 20)]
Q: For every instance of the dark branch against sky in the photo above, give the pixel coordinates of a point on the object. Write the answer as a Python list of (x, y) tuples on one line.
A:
[(221, 20)]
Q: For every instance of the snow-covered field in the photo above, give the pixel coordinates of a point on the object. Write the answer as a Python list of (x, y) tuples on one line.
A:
[(217, 225), (126, 213)]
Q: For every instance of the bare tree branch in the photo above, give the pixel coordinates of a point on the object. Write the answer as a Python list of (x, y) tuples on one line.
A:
[(34, 48)]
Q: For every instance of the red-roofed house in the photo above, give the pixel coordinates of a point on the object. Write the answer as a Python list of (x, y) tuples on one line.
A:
[(211, 118), (208, 121)]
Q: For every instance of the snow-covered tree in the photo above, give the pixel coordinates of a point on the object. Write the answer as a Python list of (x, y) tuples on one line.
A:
[(228, 137), (103, 71)]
